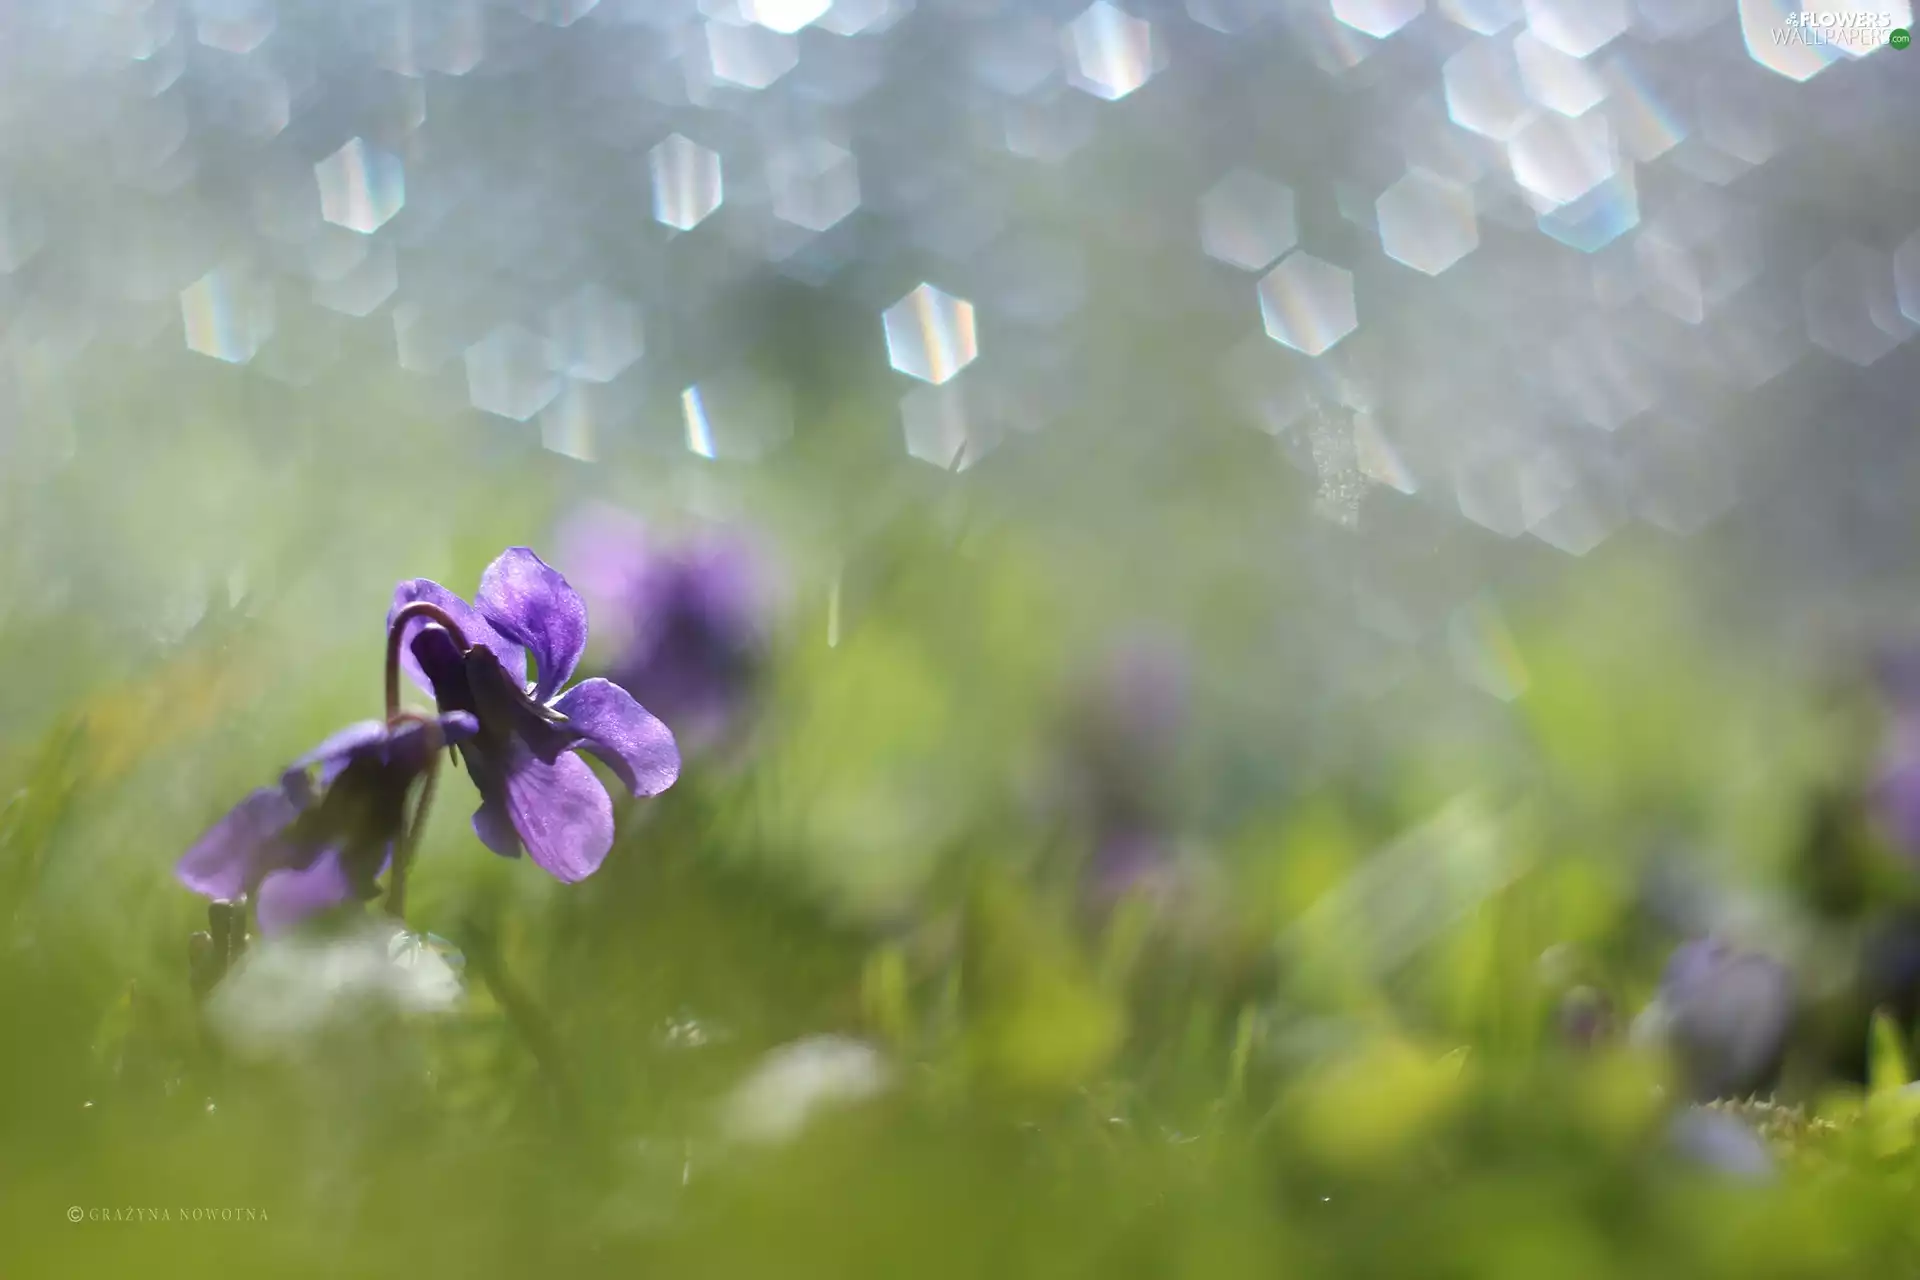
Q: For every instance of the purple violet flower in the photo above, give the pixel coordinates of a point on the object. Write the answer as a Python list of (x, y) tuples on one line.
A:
[(325, 834), (688, 621), (1132, 718), (1130, 861), (535, 791)]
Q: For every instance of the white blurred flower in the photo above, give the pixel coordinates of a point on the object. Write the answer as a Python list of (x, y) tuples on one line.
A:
[(287, 989), (795, 1081)]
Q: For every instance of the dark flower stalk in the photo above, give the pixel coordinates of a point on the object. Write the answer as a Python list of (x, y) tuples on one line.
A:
[(214, 951), (410, 841), (396, 631)]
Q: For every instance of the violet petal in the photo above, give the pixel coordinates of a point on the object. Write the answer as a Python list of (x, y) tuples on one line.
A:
[(337, 749), (562, 812), (494, 826), (531, 602), (631, 740), (222, 862), (287, 897)]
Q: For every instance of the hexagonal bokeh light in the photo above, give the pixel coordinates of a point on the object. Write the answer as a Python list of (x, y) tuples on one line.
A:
[(1853, 304), (941, 428), (596, 334), (510, 373), (1482, 17), (784, 16), (233, 26), (1580, 181), (863, 17), (749, 57), (1307, 304), (1484, 91), (1109, 51), (736, 417), (1427, 222), (1378, 18), (930, 334), (227, 314), (361, 186), (361, 286), (1578, 28), (1557, 160), (814, 184), (686, 182), (1247, 220), (1555, 80), (1906, 277)]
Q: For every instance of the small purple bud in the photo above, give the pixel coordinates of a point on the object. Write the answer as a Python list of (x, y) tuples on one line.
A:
[(1586, 1018), (1126, 863)]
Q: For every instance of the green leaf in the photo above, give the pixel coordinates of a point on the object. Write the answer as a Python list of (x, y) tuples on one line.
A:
[(1887, 1070), (1038, 1019), (883, 993), (1892, 1107)]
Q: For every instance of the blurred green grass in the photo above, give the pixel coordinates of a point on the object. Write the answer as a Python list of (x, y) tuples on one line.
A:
[(1336, 1060)]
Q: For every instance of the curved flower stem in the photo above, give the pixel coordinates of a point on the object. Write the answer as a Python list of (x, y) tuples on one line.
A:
[(404, 848), (398, 628)]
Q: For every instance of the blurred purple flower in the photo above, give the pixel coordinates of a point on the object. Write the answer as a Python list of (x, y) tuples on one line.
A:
[(1895, 792), (1129, 862), (1897, 668), (1725, 1016), (1890, 967), (323, 836), (1896, 789), (687, 623), (1134, 714), (1721, 1142), (535, 791), (1125, 740), (1143, 689)]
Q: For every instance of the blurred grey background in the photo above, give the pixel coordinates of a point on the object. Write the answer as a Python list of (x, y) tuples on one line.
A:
[(1343, 326)]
